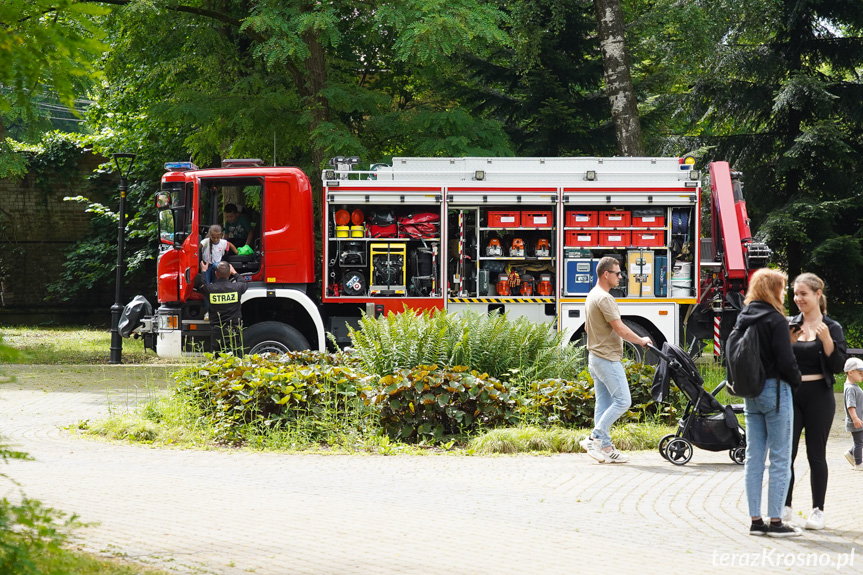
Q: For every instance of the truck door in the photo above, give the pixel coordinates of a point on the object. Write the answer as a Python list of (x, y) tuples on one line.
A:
[(191, 245)]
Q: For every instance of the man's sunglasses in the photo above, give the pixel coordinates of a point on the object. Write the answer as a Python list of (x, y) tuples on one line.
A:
[(619, 274)]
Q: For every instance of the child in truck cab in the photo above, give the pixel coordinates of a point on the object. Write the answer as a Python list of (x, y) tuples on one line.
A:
[(238, 228), (213, 248)]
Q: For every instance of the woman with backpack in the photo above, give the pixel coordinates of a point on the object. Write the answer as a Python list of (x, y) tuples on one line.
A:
[(769, 416), (820, 351)]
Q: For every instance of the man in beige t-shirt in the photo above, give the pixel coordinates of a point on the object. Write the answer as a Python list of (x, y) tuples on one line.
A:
[(605, 335)]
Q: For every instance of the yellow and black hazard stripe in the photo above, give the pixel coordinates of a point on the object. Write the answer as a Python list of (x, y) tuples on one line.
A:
[(501, 300)]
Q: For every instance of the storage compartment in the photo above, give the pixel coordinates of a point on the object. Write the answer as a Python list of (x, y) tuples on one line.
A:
[(641, 269), (498, 219), (648, 239), (536, 219), (614, 219), (648, 218), (614, 239), (581, 239), (581, 219)]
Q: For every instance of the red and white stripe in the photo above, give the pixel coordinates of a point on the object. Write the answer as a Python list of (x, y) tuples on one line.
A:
[(717, 321)]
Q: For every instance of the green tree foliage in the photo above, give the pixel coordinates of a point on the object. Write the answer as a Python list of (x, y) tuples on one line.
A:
[(47, 47), (322, 79), (781, 102), (545, 85)]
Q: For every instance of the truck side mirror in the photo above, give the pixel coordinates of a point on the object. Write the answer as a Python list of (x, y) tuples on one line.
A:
[(179, 238)]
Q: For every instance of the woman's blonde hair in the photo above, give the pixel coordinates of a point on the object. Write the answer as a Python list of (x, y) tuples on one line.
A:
[(766, 285), (814, 283)]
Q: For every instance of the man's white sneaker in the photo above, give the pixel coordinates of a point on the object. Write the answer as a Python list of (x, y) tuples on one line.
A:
[(615, 456), (787, 514), (815, 520), (850, 458), (593, 448)]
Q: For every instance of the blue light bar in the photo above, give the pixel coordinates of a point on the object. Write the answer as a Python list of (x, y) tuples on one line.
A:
[(179, 166)]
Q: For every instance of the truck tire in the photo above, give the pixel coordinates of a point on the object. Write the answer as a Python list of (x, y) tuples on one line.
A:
[(635, 352), (273, 337)]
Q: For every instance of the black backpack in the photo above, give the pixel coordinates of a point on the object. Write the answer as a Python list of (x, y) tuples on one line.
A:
[(746, 374)]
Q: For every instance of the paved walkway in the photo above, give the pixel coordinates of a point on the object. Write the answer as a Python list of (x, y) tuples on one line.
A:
[(239, 512)]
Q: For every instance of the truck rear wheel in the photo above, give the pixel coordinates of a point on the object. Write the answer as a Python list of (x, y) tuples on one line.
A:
[(635, 352), (273, 337)]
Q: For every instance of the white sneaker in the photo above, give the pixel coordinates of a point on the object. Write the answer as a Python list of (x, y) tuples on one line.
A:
[(615, 456), (787, 514), (593, 448), (850, 457), (858, 467), (816, 519)]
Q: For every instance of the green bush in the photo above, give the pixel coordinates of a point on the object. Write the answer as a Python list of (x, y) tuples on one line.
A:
[(428, 403), (571, 402), (519, 350), (313, 390)]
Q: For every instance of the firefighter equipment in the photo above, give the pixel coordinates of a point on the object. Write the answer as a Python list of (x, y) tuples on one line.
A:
[(357, 217), (352, 255), (342, 217), (526, 285), (354, 283), (494, 250), (420, 226), (389, 231), (503, 284), (517, 248), (388, 269), (514, 278), (641, 269), (343, 231), (358, 231), (422, 272), (544, 286), (542, 249)]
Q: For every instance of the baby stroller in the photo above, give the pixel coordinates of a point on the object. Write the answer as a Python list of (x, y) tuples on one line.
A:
[(706, 423)]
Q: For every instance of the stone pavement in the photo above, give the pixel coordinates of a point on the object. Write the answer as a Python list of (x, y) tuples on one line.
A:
[(233, 512)]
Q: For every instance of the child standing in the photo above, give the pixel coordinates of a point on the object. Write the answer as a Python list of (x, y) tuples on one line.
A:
[(213, 248), (853, 405)]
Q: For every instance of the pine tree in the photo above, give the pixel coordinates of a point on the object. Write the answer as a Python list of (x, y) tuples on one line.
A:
[(781, 101)]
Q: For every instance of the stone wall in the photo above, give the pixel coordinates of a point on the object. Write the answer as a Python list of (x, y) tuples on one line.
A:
[(37, 229)]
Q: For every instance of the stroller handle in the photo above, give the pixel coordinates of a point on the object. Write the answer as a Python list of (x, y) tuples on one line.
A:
[(655, 350)]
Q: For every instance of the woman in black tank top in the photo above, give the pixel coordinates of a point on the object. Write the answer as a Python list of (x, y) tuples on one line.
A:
[(819, 349)]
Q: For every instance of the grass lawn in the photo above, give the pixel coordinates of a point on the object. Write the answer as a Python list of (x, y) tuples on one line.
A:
[(69, 345)]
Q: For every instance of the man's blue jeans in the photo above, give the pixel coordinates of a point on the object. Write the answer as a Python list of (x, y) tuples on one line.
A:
[(768, 430), (612, 395)]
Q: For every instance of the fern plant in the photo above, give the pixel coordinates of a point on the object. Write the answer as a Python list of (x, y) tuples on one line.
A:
[(518, 351)]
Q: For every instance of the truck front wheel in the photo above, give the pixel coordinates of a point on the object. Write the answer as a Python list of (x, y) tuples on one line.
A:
[(273, 337)]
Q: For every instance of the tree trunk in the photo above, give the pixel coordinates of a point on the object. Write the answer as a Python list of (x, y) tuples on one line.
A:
[(618, 81), (320, 107)]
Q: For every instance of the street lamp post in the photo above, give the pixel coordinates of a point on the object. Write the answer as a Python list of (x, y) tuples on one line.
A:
[(117, 308)]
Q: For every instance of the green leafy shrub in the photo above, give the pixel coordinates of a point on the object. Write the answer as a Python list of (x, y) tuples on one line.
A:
[(428, 403), (571, 402), (519, 350), (318, 391)]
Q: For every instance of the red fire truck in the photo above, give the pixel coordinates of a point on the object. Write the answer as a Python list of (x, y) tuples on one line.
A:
[(518, 235)]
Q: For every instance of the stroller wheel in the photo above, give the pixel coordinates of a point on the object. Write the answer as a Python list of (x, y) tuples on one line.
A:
[(679, 451), (663, 445), (738, 455)]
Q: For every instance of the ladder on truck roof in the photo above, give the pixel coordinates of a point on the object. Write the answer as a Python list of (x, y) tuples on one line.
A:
[(596, 171)]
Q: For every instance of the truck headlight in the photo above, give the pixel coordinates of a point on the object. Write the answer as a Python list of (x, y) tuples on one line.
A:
[(169, 321)]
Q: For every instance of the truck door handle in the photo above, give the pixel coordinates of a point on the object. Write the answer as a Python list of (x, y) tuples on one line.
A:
[(187, 275)]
